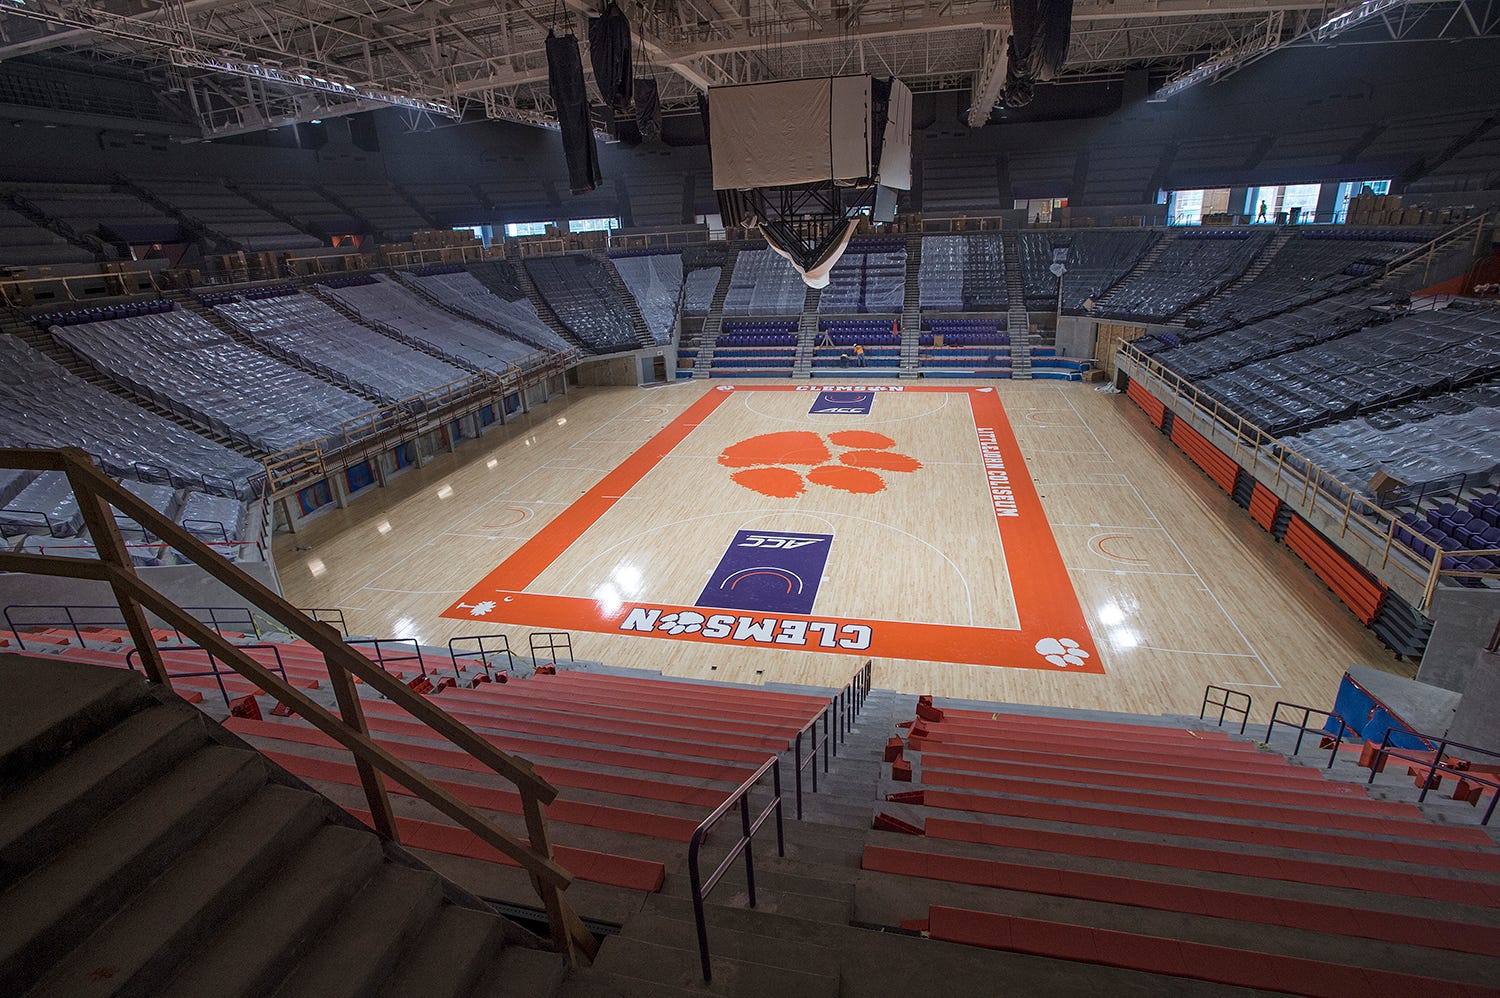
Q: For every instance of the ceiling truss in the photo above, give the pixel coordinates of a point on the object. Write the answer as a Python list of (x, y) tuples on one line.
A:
[(243, 65)]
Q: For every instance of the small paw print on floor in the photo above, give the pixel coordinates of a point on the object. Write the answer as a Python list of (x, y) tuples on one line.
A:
[(683, 622), (1061, 652)]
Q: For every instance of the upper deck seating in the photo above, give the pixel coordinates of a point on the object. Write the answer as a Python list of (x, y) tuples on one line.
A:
[(579, 291), (655, 280), (461, 342), (42, 405), (463, 293), (305, 329), (179, 360), (225, 211)]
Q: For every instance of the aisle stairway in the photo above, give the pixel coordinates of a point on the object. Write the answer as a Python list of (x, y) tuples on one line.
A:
[(713, 324), (639, 760), (632, 307), (144, 851), (1018, 321), (1279, 239), (911, 308), (1145, 263), (807, 333), (544, 310)]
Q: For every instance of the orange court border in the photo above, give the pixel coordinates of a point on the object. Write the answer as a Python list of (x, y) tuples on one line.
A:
[(1053, 635)]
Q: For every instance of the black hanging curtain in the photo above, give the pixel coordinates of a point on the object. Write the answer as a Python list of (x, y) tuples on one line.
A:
[(565, 80), (1041, 31), (648, 108), (609, 52)]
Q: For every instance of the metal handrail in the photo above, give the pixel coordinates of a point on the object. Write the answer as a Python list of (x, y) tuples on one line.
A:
[(800, 762), (1302, 728), (748, 828), (1224, 705), (328, 615), (70, 618), (483, 653), (96, 493), (1435, 764), (213, 664), (550, 642), (382, 659)]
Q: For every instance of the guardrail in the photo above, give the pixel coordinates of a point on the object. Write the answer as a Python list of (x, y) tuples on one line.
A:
[(386, 659), (96, 493), (1470, 781), (328, 615), (1303, 729), (1279, 466), (547, 644), (77, 618), (481, 653), (748, 827), (217, 673), (1224, 704)]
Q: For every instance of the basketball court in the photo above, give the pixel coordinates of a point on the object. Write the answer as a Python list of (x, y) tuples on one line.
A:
[(1030, 542)]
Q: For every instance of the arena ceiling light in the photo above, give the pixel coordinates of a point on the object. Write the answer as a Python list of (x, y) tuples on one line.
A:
[(1358, 14), (307, 80)]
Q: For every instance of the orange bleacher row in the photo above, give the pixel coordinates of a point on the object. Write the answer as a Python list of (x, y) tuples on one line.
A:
[(1110, 815), (639, 762)]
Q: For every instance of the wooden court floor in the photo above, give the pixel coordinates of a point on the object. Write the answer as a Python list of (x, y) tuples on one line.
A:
[(621, 514)]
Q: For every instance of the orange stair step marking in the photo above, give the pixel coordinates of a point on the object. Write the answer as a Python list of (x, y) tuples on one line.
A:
[(1327, 874), (1309, 916), (1226, 831), (1178, 958)]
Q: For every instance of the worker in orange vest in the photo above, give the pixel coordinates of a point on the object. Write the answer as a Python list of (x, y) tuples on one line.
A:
[(859, 355)]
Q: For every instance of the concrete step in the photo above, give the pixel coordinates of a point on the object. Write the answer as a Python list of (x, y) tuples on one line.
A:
[(44, 914), (272, 930), (680, 968), (512, 885), (599, 984), (456, 947), (144, 942), (1228, 879), (101, 774), (369, 937), (727, 942), (873, 962), (523, 973), (885, 899), (51, 706)]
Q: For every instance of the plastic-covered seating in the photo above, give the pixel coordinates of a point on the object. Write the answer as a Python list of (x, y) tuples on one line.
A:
[(180, 361), (302, 328), (43, 405)]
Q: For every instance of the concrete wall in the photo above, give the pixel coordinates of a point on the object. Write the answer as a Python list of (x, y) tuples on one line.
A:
[(185, 585), (1463, 620), (1076, 335)]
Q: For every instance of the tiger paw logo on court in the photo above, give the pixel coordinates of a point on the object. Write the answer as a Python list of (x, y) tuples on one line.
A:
[(771, 463)]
